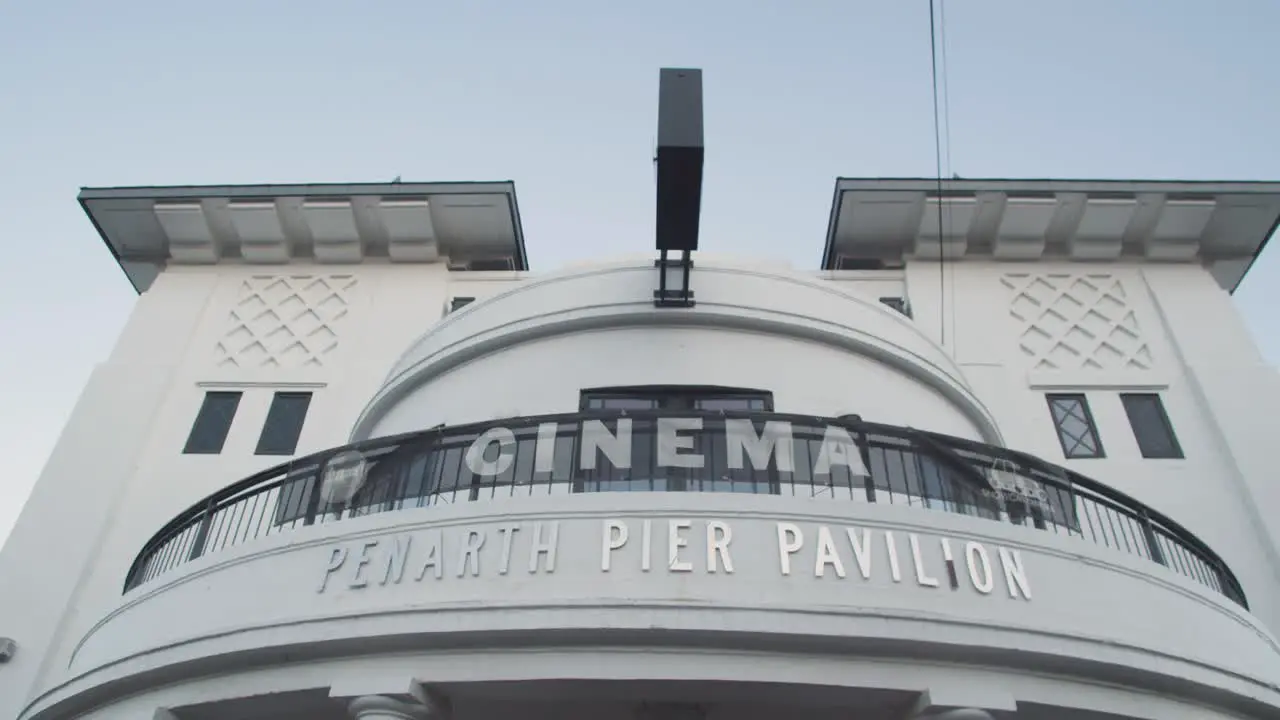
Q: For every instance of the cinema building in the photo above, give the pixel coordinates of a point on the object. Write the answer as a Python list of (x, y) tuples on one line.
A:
[(1004, 453)]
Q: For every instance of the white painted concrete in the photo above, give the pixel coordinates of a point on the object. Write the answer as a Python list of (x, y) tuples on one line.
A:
[(820, 342)]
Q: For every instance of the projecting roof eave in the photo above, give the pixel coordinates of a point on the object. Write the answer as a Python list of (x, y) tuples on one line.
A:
[(484, 215), (1225, 225)]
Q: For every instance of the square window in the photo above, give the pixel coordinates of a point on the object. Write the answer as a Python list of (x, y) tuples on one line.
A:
[(1151, 426), (213, 422), (1076, 430), (284, 422)]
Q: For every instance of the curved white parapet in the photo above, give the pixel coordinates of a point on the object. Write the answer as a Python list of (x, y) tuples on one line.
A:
[(739, 572), (820, 350)]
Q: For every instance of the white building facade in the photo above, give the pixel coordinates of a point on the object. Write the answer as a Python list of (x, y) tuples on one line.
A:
[(1005, 455)]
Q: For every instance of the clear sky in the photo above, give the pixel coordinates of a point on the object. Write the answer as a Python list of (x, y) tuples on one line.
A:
[(561, 97)]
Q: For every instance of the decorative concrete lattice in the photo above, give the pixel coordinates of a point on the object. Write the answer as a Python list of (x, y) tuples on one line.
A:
[(1073, 322), (285, 321)]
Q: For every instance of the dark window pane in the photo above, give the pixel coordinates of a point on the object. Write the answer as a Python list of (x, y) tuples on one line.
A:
[(621, 403), (284, 423), (852, 263), (643, 472), (729, 403), (213, 422), (676, 398), (490, 264), (1074, 423), (460, 302), (1151, 425)]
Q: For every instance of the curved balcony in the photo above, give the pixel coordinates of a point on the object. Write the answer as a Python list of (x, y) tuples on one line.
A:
[(838, 459)]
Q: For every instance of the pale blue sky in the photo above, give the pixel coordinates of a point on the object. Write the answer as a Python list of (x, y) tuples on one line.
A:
[(561, 97)]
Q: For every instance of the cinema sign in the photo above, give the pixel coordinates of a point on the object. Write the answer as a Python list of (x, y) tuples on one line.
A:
[(675, 441), (670, 546)]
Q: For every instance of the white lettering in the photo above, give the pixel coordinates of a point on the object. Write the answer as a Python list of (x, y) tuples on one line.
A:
[(719, 535), (774, 440), (646, 545), (544, 449), (827, 554), (596, 438), (469, 556), (975, 555), (790, 540), (397, 559), (544, 546), (1015, 576), (508, 533), (337, 556), (671, 442), (861, 550), (434, 554), (838, 448), (364, 559), (674, 542), (384, 561), (614, 537), (475, 454), (949, 560), (894, 570), (921, 577)]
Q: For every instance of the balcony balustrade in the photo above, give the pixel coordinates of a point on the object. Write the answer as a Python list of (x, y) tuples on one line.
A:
[(840, 459)]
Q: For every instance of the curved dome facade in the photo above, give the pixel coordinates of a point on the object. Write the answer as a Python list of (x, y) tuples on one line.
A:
[(817, 349)]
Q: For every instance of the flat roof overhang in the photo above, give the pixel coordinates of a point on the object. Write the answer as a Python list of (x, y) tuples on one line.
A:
[(470, 225), (1222, 225)]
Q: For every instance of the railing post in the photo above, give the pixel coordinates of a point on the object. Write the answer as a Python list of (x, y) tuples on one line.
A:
[(202, 534), (1149, 532), (313, 497), (1231, 585), (869, 483)]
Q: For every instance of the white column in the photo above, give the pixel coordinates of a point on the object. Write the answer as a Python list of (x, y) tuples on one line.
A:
[(381, 707)]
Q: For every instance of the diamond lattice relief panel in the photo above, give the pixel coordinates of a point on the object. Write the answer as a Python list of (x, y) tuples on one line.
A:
[(284, 321), (1074, 322)]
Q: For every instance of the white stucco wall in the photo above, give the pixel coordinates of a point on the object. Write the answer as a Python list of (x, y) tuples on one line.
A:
[(120, 455), (1194, 352), (822, 344)]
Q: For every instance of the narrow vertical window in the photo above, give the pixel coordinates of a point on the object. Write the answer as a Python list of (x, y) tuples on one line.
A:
[(1075, 426), (213, 422), (284, 423), (1151, 426)]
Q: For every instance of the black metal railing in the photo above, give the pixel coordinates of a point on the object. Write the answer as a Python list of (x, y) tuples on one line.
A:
[(760, 453)]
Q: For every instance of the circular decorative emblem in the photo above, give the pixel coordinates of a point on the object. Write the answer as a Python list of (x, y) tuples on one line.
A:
[(342, 477)]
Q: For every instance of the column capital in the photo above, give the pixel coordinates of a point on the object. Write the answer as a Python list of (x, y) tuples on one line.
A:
[(381, 707)]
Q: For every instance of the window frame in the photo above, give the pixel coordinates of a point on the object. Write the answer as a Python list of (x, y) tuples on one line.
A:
[(692, 393), (1163, 416), (297, 432), (1088, 418), (189, 447)]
